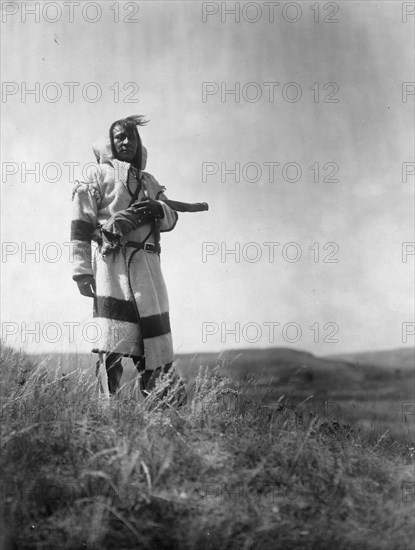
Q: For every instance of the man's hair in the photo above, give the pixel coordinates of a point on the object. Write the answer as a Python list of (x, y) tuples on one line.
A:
[(130, 124)]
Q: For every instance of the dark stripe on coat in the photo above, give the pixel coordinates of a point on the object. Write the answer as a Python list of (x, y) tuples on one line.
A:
[(112, 308), (155, 325), (123, 310), (81, 231)]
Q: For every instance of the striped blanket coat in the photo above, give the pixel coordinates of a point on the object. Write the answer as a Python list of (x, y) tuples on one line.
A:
[(131, 308)]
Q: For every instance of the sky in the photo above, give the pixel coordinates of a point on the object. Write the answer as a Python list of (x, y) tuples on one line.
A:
[(318, 132)]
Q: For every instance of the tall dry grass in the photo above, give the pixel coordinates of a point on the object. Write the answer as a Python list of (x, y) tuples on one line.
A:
[(222, 472)]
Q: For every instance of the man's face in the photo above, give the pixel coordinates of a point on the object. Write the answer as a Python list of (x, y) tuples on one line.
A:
[(125, 143)]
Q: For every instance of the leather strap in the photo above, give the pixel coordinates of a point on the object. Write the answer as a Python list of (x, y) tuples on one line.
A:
[(147, 247), (134, 195)]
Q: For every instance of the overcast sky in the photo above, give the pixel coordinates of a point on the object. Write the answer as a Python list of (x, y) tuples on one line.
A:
[(354, 127)]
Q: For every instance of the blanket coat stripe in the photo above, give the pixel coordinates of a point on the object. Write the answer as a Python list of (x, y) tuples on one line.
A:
[(123, 310), (81, 230)]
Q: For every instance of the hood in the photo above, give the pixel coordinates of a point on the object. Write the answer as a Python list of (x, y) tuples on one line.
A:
[(103, 150)]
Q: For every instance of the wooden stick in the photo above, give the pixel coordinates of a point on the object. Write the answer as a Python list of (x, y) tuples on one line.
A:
[(187, 206)]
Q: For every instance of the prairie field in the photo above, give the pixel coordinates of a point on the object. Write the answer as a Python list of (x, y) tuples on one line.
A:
[(275, 449)]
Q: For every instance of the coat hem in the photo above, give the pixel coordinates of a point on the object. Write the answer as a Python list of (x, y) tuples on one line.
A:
[(129, 355)]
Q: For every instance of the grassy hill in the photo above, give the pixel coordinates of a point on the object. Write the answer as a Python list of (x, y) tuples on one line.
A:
[(229, 470), (366, 394), (393, 359)]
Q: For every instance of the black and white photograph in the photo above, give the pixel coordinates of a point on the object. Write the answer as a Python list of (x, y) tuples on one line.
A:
[(207, 275)]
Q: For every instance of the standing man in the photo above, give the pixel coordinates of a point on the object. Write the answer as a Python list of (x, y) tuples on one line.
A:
[(131, 305)]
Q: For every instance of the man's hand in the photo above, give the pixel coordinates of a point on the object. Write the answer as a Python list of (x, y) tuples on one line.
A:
[(86, 286), (148, 209)]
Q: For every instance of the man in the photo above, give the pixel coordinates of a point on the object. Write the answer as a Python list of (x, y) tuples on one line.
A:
[(131, 305)]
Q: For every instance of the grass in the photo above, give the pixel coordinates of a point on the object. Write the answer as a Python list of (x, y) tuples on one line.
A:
[(227, 471)]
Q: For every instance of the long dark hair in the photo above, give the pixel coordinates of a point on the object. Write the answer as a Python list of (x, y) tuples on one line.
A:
[(130, 123)]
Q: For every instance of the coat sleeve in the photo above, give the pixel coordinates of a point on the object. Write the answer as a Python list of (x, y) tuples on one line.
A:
[(169, 220), (85, 202)]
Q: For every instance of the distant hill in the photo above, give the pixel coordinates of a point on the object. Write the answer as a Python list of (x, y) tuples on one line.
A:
[(300, 373), (402, 358), (283, 371)]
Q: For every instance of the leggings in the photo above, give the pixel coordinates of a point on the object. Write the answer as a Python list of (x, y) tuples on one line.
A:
[(114, 368)]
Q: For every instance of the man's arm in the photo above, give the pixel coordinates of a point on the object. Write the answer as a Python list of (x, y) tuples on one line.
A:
[(170, 216), (166, 217), (85, 198)]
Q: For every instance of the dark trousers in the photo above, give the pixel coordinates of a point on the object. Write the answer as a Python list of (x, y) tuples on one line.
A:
[(114, 368)]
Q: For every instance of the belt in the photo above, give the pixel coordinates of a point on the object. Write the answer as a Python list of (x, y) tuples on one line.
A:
[(147, 247)]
